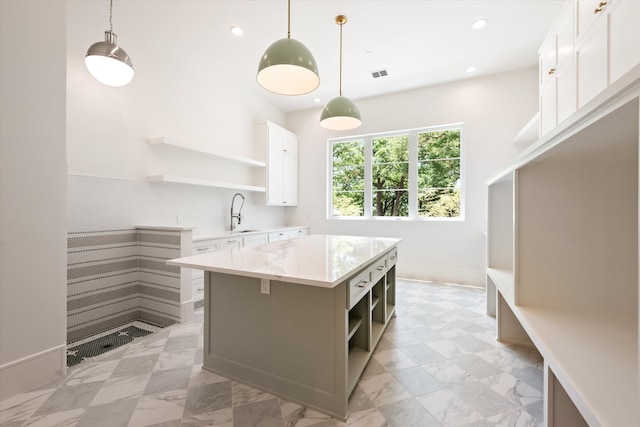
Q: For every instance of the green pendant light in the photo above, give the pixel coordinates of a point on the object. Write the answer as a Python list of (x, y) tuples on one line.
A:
[(340, 113), (108, 62), (287, 66)]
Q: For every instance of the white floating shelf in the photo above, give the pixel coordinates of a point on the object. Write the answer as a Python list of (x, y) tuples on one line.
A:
[(239, 159), (203, 182)]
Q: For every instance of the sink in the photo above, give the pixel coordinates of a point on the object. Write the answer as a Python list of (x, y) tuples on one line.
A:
[(244, 231)]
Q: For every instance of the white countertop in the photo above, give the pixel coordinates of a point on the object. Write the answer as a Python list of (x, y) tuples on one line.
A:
[(316, 260), (198, 236)]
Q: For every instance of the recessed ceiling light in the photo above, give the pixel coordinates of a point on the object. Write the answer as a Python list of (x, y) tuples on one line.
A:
[(236, 31), (316, 100), (471, 69), (479, 24), (367, 52)]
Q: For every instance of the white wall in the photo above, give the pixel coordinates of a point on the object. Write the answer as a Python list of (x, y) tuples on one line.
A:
[(493, 110), (32, 194), (185, 87)]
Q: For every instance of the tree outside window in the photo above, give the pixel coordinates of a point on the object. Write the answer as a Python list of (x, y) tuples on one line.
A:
[(439, 173), (348, 179), (390, 172), (416, 174)]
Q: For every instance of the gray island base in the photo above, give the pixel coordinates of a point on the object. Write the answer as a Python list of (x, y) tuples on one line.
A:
[(299, 319)]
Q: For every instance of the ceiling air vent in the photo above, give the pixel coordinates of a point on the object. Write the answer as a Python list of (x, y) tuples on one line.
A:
[(379, 73)]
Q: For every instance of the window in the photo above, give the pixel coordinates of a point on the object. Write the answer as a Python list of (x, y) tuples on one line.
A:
[(413, 174)]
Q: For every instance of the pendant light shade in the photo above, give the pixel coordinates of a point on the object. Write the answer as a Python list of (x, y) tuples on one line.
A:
[(340, 113), (287, 67), (108, 62)]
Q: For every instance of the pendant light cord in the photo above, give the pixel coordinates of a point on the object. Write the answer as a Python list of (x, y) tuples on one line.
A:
[(288, 19), (110, 16), (341, 58)]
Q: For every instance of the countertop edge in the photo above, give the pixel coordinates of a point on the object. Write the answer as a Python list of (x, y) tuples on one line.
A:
[(289, 279)]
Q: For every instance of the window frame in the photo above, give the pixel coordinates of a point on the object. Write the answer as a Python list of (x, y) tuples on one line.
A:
[(413, 174)]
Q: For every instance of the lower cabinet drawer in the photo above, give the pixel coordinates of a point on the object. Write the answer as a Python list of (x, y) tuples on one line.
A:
[(197, 289), (392, 257), (379, 268), (358, 286)]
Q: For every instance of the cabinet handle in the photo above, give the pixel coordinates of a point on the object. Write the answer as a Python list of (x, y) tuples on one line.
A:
[(393, 258), (362, 283), (201, 249), (201, 289), (380, 267), (231, 241), (551, 71), (600, 7)]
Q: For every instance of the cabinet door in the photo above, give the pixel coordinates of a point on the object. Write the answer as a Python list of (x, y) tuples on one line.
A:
[(591, 63), (547, 59), (566, 102), (290, 143), (232, 243), (290, 179), (548, 107), (275, 180), (586, 14), (276, 237), (624, 37), (254, 240), (295, 234)]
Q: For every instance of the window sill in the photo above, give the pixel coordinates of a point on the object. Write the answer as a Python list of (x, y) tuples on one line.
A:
[(394, 218)]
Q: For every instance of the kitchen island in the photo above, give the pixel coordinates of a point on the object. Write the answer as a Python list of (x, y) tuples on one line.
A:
[(298, 318)]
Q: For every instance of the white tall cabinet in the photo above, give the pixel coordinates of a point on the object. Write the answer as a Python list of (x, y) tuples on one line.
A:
[(282, 163)]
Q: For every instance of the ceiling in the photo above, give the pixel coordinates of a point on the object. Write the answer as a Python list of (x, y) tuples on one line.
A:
[(419, 43)]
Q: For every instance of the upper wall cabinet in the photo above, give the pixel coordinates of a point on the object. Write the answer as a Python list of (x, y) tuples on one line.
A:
[(557, 73), (281, 147), (591, 45), (607, 44)]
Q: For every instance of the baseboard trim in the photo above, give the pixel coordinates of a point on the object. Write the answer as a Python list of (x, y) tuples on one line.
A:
[(24, 374), (444, 275)]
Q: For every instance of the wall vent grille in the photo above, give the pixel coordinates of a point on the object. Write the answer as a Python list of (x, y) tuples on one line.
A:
[(379, 73)]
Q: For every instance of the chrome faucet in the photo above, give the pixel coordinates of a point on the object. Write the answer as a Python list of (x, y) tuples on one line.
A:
[(238, 215)]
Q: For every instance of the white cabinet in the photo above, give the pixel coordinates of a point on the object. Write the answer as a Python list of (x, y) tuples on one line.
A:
[(197, 276), (591, 60), (586, 13), (591, 45), (282, 163), (607, 44), (624, 37), (203, 247), (255, 240), (557, 73), (230, 243), (287, 234)]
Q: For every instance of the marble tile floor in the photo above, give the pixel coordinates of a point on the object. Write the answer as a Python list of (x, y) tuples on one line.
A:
[(438, 364)]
